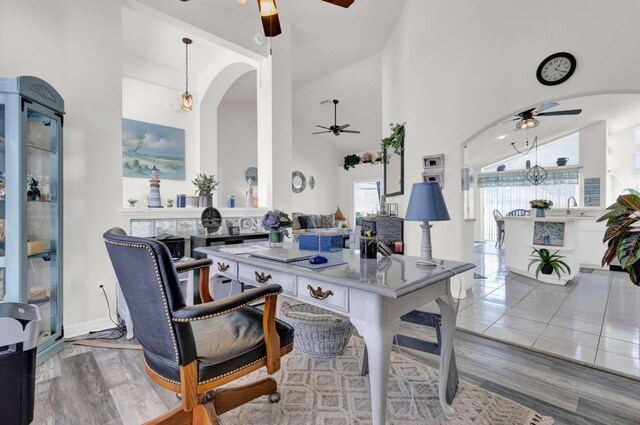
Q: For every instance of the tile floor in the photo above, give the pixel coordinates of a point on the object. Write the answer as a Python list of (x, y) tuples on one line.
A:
[(595, 320)]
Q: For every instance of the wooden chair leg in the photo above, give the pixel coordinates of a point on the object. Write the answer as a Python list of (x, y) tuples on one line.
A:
[(205, 414), (203, 285), (176, 416), (227, 399)]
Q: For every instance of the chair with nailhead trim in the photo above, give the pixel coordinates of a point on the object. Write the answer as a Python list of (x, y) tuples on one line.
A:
[(194, 350)]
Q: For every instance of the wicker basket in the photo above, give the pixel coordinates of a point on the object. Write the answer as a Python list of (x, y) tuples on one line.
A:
[(318, 332)]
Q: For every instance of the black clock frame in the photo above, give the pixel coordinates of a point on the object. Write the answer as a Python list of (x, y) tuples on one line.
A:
[(572, 60)]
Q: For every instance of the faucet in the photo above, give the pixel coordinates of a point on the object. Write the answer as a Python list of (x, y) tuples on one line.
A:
[(575, 204)]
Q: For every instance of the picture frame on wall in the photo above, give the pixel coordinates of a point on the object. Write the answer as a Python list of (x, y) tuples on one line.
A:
[(437, 178)]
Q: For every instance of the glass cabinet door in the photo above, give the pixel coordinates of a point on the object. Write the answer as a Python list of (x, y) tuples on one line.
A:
[(42, 217)]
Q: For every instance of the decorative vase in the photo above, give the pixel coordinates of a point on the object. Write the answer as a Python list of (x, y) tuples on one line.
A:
[(547, 269), (539, 212), (561, 162), (276, 238), (205, 201)]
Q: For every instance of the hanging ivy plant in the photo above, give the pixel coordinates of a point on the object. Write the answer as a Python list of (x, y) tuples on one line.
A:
[(350, 161), (395, 141)]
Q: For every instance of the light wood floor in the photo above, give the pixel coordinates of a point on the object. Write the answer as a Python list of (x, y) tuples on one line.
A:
[(109, 386)]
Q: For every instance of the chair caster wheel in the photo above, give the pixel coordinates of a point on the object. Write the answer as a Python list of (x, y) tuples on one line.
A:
[(274, 398)]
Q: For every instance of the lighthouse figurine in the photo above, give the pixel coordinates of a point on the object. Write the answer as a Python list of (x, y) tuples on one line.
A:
[(154, 193)]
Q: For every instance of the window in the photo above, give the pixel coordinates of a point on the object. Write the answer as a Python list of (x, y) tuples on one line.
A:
[(508, 198), (366, 196)]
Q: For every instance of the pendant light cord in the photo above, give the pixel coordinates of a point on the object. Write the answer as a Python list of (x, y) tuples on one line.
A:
[(186, 67)]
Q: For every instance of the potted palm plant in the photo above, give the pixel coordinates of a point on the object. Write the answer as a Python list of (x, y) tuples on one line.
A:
[(205, 185), (548, 262), (623, 235)]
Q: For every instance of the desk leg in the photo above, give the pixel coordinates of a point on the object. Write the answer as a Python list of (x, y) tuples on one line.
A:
[(378, 337), (447, 328)]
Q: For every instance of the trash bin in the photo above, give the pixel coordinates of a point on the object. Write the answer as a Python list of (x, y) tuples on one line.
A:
[(19, 326)]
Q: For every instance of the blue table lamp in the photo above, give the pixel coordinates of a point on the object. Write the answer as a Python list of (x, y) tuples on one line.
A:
[(426, 204)]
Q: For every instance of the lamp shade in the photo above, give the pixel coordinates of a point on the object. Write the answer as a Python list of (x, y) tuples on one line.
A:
[(427, 203)]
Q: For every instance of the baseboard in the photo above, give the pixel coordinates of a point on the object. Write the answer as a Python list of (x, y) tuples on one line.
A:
[(84, 328)]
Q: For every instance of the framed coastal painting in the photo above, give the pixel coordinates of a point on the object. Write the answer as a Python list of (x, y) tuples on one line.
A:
[(145, 145)]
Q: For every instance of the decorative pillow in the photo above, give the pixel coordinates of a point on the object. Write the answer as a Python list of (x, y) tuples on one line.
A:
[(296, 222), (306, 222), (327, 221), (318, 220)]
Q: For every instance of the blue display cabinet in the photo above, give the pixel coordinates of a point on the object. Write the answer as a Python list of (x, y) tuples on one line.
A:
[(31, 126)]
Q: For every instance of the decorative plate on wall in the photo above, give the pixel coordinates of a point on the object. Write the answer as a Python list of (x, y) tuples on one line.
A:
[(211, 219), (298, 182), (312, 182), (252, 174)]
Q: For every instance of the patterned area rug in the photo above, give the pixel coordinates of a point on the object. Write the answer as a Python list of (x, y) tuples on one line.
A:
[(332, 392)]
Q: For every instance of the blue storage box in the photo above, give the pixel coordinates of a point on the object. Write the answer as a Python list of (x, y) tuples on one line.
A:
[(319, 242)]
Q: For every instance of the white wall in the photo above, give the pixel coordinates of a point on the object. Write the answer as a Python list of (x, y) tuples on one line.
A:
[(621, 164), (150, 103), (451, 67), (594, 158), (237, 149), (76, 46), (358, 87)]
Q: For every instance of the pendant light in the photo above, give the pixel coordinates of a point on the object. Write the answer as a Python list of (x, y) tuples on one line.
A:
[(187, 99), (536, 174)]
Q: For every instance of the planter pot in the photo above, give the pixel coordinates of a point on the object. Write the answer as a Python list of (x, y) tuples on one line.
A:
[(547, 269), (561, 162), (501, 167), (205, 201), (276, 238), (539, 212)]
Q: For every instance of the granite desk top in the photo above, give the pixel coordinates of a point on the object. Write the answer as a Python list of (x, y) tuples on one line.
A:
[(392, 276)]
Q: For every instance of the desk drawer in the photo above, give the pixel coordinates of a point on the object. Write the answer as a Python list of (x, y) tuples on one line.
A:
[(335, 297), (262, 276), (224, 267)]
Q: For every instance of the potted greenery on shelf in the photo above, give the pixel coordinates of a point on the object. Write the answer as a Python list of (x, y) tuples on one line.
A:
[(350, 161), (205, 185), (623, 234), (394, 142), (548, 263)]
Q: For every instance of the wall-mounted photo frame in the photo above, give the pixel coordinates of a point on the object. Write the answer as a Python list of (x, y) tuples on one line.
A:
[(393, 174), (437, 178), (433, 162)]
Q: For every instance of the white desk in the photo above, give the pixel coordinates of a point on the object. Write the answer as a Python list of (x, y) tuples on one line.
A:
[(374, 294)]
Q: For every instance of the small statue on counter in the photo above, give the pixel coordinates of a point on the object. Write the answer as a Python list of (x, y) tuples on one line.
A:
[(249, 193)]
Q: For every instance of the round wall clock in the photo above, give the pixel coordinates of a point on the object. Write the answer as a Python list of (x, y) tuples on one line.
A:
[(556, 69)]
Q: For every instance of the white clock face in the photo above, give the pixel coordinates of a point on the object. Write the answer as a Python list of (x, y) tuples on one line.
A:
[(556, 69)]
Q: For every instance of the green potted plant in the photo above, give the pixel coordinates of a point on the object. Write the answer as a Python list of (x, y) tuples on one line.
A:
[(132, 202), (540, 206), (350, 161), (548, 262), (623, 235), (205, 185), (394, 142)]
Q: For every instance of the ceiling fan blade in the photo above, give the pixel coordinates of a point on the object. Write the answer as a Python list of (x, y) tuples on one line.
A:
[(322, 126), (321, 132), (269, 18), (544, 107), (341, 3), (342, 127), (350, 131), (510, 120), (567, 112)]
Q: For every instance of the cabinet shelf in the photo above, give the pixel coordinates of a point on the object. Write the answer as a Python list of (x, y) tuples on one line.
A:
[(48, 252)]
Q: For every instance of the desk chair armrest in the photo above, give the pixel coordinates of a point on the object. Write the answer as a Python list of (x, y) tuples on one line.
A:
[(217, 308), (188, 266)]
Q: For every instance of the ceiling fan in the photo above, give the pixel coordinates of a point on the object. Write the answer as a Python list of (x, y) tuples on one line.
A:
[(526, 119), (335, 128), (269, 14)]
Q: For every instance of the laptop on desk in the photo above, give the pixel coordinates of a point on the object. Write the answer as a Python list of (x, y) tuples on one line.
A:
[(283, 255)]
